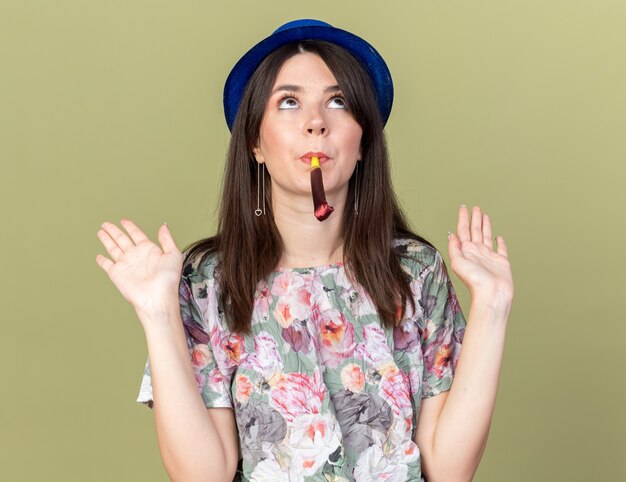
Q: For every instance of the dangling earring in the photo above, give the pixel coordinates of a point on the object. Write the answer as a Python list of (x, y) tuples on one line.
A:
[(258, 211), (356, 189)]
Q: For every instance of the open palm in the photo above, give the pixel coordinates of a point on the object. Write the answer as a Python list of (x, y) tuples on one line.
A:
[(146, 274), (473, 259)]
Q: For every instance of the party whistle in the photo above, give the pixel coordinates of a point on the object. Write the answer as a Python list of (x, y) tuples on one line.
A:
[(321, 209)]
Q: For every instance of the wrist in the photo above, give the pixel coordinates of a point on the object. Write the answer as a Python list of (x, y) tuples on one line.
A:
[(493, 300), (162, 313)]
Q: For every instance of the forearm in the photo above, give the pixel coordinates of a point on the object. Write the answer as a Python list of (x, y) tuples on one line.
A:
[(461, 434), (189, 443)]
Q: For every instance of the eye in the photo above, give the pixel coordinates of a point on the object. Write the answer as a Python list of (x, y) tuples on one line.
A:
[(342, 101), (287, 97)]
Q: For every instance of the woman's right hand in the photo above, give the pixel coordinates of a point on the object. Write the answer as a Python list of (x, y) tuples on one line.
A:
[(147, 275)]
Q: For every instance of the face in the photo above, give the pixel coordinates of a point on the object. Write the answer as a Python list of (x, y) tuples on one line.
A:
[(306, 113)]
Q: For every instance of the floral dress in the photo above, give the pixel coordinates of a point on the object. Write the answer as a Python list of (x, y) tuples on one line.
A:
[(320, 390)]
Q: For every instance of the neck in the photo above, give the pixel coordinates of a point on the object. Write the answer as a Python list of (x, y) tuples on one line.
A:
[(307, 241)]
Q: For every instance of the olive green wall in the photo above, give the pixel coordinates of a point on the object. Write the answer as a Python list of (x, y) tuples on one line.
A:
[(113, 109)]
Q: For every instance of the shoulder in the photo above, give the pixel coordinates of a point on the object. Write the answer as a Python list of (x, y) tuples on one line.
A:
[(416, 256), (199, 265), (199, 284), (200, 293)]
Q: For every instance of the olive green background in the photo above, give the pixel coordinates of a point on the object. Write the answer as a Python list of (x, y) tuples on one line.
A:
[(114, 109)]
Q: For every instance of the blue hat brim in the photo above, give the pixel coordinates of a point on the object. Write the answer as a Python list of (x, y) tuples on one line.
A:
[(371, 60)]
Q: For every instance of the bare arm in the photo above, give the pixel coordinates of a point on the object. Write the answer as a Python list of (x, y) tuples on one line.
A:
[(453, 434), (196, 443), (454, 426)]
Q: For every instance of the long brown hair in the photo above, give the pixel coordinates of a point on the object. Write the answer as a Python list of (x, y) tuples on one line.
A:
[(249, 247)]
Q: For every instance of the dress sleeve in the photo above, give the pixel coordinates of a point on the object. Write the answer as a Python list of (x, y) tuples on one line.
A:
[(442, 331), (206, 339)]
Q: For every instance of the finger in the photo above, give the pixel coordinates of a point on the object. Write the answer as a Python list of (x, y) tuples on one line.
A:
[(462, 227), (111, 246), (166, 239), (502, 248), (476, 226), (122, 240), (136, 234), (454, 247), (104, 262), (487, 231)]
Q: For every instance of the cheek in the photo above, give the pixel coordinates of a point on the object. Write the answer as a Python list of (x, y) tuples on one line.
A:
[(274, 139), (353, 138)]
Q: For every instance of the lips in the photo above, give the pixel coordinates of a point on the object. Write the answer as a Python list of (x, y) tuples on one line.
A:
[(320, 155)]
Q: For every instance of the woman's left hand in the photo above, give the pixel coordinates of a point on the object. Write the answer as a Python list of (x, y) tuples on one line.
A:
[(485, 272)]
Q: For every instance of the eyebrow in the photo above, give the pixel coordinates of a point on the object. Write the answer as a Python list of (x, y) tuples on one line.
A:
[(297, 88)]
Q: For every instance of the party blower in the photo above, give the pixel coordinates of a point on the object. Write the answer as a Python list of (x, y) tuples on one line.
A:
[(321, 208)]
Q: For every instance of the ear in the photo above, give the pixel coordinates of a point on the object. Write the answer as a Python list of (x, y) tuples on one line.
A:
[(257, 155)]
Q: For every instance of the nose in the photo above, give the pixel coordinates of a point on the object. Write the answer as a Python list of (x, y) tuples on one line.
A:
[(316, 124), (321, 130)]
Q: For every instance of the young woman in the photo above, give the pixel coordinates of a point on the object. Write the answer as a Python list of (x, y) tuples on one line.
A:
[(315, 335)]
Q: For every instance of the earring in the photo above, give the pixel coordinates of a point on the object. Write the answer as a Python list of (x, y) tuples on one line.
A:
[(356, 189), (258, 211)]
